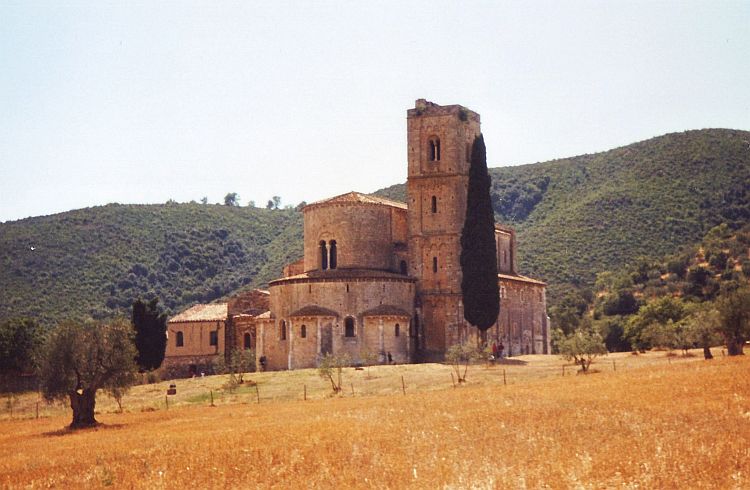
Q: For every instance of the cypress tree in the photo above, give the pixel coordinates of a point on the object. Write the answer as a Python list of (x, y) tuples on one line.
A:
[(479, 286), (150, 334)]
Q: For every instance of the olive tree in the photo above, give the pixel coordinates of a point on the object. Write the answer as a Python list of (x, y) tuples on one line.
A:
[(582, 347), (734, 310), (331, 366), (81, 358), (460, 356), (703, 326)]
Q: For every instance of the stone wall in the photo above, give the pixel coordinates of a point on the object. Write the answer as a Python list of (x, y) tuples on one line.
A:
[(329, 301), (364, 233), (196, 338), (523, 324)]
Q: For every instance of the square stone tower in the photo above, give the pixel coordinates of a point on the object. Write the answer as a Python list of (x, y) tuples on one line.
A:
[(439, 149)]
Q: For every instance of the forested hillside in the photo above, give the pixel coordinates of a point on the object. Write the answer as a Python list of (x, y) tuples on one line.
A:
[(96, 261), (582, 215), (575, 217)]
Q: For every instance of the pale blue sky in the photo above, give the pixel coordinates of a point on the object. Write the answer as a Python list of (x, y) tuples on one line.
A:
[(140, 102)]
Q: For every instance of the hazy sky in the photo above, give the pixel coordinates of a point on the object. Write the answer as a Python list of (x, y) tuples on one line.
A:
[(141, 102)]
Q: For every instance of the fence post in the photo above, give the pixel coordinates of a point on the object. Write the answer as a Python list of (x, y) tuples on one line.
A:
[(166, 401), (305, 396), (453, 380), (505, 381), (37, 409), (563, 370), (403, 385), (257, 393), (212, 398)]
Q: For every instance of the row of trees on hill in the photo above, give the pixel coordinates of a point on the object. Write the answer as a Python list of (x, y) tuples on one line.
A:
[(79, 358), (697, 298), (233, 199)]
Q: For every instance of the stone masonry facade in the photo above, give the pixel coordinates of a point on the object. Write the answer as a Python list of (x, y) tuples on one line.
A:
[(382, 279)]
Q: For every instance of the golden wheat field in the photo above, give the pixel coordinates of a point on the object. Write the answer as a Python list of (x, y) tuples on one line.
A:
[(647, 424)]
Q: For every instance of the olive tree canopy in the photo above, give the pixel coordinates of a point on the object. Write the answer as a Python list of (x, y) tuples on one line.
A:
[(81, 358)]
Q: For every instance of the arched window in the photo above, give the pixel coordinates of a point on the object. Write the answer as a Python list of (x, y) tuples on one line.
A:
[(303, 331), (403, 268), (397, 330), (323, 256), (333, 260), (433, 149), (434, 204), (247, 343), (349, 327), (282, 330), (434, 264), (179, 340)]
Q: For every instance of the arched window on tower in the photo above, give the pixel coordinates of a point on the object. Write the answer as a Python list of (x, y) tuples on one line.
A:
[(403, 268), (434, 264), (282, 330), (349, 327), (323, 255), (247, 342), (303, 331), (179, 340), (434, 204), (397, 330), (433, 149), (333, 260)]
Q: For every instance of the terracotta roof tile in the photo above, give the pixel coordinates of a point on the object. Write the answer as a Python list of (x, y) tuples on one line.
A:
[(521, 279), (314, 310), (357, 197), (202, 313), (386, 310)]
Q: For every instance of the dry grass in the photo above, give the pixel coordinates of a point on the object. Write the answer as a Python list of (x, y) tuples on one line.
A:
[(651, 424)]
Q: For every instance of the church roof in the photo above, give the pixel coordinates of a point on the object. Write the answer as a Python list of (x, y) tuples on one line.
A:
[(521, 279), (202, 313), (386, 310), (314, 310), (358, 198), (342, 275)]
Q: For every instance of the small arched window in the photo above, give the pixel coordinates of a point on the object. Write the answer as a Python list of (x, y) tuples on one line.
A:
[(303, 331), (179, 340), (433, 149), (247, 342), (323, 256), (434, 204), (333, 260), (349, 327), (434, 264), (282, 330), (397, 330), (403, 268)]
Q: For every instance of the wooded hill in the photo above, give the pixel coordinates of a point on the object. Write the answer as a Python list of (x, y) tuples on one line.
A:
[(97, 261), (587, 214), (575, 217)]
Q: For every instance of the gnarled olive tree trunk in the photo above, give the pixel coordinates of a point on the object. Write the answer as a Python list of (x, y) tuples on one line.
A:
[(83, 408), (735, 346)]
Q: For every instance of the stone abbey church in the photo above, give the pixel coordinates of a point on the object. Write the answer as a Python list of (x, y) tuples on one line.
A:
[(377, 276)]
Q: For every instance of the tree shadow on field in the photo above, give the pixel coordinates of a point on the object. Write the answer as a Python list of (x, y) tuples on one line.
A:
[(511, 362), (68, 431)]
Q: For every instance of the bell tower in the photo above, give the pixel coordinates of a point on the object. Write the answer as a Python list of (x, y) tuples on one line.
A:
[(439, 149)]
